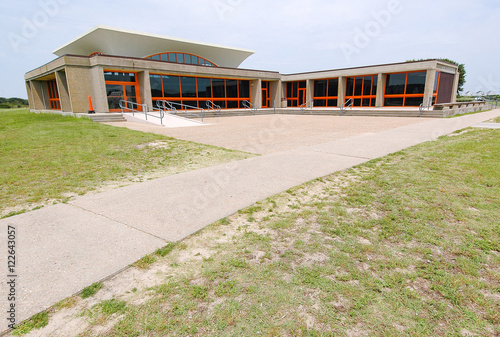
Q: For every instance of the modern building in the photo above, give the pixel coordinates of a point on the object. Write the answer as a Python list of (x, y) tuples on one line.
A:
[(109, 65)]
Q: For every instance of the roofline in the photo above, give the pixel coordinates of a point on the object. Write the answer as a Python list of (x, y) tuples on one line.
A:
[(149, 60), (370, 66), (127, 31), (257, 70)]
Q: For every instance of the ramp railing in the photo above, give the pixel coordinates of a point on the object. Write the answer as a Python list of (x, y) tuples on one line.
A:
[(426, 105), (213, 107), (188, 111), (307, 105), (250, 106), (345, 105), (147, 111)]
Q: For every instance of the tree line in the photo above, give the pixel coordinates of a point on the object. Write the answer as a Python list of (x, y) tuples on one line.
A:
[(13, 102)]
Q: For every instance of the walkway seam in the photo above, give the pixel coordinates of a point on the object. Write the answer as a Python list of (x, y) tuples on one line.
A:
[(340, 154), (118, 222)]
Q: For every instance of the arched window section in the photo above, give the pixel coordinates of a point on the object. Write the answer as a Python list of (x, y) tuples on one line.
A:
[(184, 58)]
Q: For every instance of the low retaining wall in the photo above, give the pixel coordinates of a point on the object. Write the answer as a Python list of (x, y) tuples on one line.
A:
[(459, 108)]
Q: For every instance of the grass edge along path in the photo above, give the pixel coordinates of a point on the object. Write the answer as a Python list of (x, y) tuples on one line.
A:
[(408, 244), (49, 158)]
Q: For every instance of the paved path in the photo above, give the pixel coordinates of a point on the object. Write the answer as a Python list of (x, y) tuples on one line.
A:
[(63, 248), (275, 133)]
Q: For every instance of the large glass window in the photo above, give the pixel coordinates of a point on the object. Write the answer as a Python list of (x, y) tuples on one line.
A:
[(395, 84), (188, 85), (244, 87), (171, 86), (326, 92), (296, 93), (181, 58), (333, 87), (320, 87), (218, 87), (362, 90), (416, 83), (232, 88), (119, 77), (195, 91), (204, 87), (156, 88), (405, 89)]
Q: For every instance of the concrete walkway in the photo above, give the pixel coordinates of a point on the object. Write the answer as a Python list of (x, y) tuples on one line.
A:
[(63, 248)]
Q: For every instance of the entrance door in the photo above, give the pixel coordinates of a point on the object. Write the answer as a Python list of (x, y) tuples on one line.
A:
[(118, 92), (122, 87), (266, 97), (302, 96)]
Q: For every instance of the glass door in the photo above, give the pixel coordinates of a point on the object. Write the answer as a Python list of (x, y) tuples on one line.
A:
[(266, 94), (115, 94), (131, 96), (302, 96), (122, 87)]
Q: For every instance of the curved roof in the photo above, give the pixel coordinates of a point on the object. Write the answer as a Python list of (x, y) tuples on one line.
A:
[(120, 42)]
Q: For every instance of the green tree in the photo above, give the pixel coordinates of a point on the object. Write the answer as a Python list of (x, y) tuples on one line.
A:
[(13, 102), (461, 70)]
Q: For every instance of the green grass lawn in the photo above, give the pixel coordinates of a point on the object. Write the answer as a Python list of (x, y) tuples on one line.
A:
[(408, 244), (47, 158)]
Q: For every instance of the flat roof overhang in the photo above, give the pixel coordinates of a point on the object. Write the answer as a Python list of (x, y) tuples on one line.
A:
[(120, 42)]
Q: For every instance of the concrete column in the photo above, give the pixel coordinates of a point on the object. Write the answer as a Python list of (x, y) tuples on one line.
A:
[(40, 95), (283, 91), (456, 81), (256, 93), (99, 95), (62, 88), (429, 84), (145, 88), (275, 87), (309, 90), (341, 92), (30, 95), (379, 101)]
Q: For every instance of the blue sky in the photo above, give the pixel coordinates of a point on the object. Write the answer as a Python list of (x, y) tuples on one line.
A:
[(287, 35)]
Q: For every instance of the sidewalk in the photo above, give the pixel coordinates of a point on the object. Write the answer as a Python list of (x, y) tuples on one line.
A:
[(63, 248)]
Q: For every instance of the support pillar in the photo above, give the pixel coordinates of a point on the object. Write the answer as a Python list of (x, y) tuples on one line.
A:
[(145, 88), (430, 80), (63, 91), (256, 93), (379, 101), (341, 92)]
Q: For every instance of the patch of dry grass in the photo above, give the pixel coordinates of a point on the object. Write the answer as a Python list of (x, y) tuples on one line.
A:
[(408, 244)]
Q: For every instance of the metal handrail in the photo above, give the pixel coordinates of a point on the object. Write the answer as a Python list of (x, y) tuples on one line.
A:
[(492, 102), (426, 105), (212, 106), (307, 105), (250, 106), (129, 105), (346, 104), (170, 106)]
